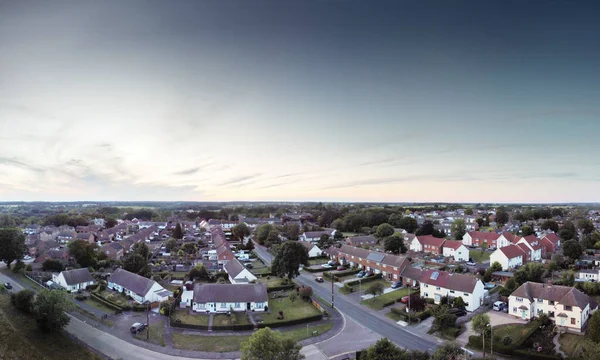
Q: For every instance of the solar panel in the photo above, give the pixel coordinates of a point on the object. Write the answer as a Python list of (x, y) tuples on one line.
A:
[(434, 275)]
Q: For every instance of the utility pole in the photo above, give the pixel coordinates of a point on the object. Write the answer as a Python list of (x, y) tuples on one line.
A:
[(359, 288), (492, 340), (332, 306), (148, 323), (483, 337), (409, 305)]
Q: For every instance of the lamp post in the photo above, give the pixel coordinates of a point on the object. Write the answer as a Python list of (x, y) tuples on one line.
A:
[(492, 340), (332, 306), (359, 288)]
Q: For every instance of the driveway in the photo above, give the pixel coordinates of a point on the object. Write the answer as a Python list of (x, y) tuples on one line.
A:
[(496, 318)]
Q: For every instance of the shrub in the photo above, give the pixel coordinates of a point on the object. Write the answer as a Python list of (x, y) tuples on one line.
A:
[(430, 301), (507, 340), (29, 268), (23, 300), (293, 296), (305, 292), (80, 297)]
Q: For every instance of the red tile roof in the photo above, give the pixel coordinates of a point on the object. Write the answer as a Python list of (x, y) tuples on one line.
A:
[(458, 282), (484, 235), (453, 244), (430, 240), (552, 237), (512, 251)]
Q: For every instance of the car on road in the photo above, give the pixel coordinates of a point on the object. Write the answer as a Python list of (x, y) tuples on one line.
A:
[(397, 285), (326, 266), (7, 285), (137, 328), (319, 279), (471, 263), (499, 305), (341, 267)]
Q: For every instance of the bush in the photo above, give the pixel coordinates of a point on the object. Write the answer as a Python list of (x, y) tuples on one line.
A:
[(23, 300), (293, 296), (91, 287), (29, 268), (429, 301), (140, 307), (80, 297), (507, 340), (305, 292), (533, 355)]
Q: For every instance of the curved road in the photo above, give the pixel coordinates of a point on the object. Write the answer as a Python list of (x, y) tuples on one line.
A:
[(367, 318)]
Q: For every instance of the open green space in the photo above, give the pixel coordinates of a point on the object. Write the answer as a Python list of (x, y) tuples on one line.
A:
[(157, 334), (291, 310), (192, 319), (21, 338), (233, 343), (237, 318), (381, 301), (479, 256), (573, 345), (113, 296)]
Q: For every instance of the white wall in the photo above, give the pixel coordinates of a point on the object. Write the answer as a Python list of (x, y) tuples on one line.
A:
[(225, 307), (539, 306), (415, 245), (473, 299)]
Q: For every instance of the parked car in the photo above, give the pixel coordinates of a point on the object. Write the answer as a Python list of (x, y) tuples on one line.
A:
[(7, 285), (471, 263), (319, 279), (498, 305), (249, 266), (397, 284), (361, 273), (404, 299), (331, 262), (341, 267), (326, 266), (137, 327), (457, 312)]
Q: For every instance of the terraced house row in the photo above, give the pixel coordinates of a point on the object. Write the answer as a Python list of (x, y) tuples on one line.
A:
[(388, 265)]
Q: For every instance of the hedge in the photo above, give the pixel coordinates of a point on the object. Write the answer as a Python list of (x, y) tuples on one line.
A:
[(528, 354), (106, 302), (281, 287), (239, 327), (140, 307), (291, 322), (315, 270), (476, 340), (91, 287), (413, 316), (363, 280)]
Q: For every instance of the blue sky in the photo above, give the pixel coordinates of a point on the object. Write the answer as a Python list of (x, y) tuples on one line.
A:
[(310, 100)]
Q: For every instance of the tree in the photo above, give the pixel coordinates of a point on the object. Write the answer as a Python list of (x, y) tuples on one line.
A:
[(134, 263), (527, 230), (178, 232), (586, 226), (409, 224), (417, 303), (49, 310), (305, 292), (273, 238), (12, 245), (459, 303), (110, 222), (448, 351), (324, 242), (375, 289), (395, 244), (189, 248), (240, 231), (501, 216), (198, 272), (458, 229), (84, 252), (52, 265), (572, 249), (550, 225), (468, 211), (291, 231), (338, 235), (263, 232), (384, 230), (141, 249), (567, 231), (170, 245), (23, 300), (594, 327), (479, 221), (426, 228), (383, 349), (480, 323), (289, 258), (268, 344)]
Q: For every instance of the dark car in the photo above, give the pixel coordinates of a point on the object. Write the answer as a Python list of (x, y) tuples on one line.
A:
[(319, 279), (397, 284), (138, 327), (249, 266), (7, 285)]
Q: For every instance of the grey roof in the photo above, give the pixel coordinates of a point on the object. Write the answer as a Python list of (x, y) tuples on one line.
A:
[(564, 295), (77, 276), (377, 257), (234, 267), (230, 293), (133, 282)]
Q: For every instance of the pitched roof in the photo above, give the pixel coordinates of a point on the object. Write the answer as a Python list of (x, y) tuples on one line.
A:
[(359, 240), (77, 276), (307, 245), (234, 267), (430, 240), (230, 293), (510, 237), (453, 244), (533, 242), (512, 251), (316, 234), (564, 295), (552, 237), (524, 247), (484, 235), (412, 273), (134, 282), (454, 281), (352, 250)]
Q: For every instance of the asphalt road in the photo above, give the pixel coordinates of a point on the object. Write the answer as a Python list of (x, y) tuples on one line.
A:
[(367, 318)]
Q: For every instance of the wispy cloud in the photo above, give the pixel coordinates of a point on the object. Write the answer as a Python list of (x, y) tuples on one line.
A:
[(239, 179), (187, 171)]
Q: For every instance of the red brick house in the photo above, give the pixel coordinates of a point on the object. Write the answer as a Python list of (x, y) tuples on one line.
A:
[(388, 265), (427, 244), (550, 243)]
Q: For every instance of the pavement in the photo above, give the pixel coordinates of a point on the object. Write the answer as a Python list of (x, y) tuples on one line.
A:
[(371, 320)]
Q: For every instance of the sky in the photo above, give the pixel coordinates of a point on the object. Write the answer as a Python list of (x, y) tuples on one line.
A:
[(332, 100)]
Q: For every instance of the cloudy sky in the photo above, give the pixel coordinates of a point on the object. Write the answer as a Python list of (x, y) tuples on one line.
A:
[(326, 100)]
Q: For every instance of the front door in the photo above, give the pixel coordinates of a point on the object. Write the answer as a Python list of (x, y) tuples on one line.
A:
[(523, 315), (247, 306)]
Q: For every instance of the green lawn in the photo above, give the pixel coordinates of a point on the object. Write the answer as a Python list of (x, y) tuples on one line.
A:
[(157, 335), (186, 318), (312, 262), (393, 316), (270, 280), (479, 256), (116, 297), (291, 310), (573, 345), (366, 285), (233, 343), (378, 303), (98, 305), (238, 318)]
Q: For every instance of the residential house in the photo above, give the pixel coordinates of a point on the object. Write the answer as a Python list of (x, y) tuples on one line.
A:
[(427, 244), (480, 238), (509, 257), (437, 284), (65, 236), (568, 307), (534, 246), (59, 254), (388, 265), (88, 236), (585, 275), (224, 254), (213, 298), (315, 236), (313, 250), (140, 289), (237, 273), (456, 250), (550, 243), (49, 233), (365, 240), (73, 280), (507, 238), (113, 250)]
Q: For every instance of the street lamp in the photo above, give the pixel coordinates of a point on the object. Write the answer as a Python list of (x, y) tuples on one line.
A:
[(491, 339), (359, 288)]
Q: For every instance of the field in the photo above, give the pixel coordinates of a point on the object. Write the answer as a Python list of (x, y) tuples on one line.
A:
[(479, 256), (22, 340), (233, 343), (379, 302)]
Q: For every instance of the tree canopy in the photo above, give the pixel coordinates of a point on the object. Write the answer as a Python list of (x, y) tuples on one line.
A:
[(458, 229), (384, 230), (572, 249), (49, 310), (178, 232), (12, 245), (240, 231), (84, 252), (395, 244), (268, 344), (290, 256)]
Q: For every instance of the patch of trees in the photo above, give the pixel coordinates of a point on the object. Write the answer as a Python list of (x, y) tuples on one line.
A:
[(12, 245), (47, 307), (288, 259), (65, 219), (84, 253)]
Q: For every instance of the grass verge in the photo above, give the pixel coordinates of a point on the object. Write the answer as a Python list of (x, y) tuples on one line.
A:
[(381, 301), (157, 334)]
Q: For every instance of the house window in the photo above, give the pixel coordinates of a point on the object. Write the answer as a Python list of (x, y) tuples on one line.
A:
[(540, 311), (223, 305), (200, 306), (550, 302), (259, 305), (426, 285), (237, 305), (540, 301), (572, 321), (466, 294), (568, 308), (519, 299), (437, 287), (551, 314), (426, 294), (514, 309), (451, 291)]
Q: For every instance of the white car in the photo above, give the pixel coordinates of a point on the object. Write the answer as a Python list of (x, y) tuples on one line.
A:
[(471, 263), (326, 266)]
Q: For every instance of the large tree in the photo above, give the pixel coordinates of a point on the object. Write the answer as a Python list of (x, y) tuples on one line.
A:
[(427, 228), (49, 310), (52, 265), (84, 252), (480, 323), (134, 263), (291, 231), (289, 258), (572, 249), (178, 232), (594, 327), (458, 229), (170, 245), (586, 226), (395, 244), (12, 245), (263, 232), (240, 231), (268, 344), (550, 225), (449, 351), (409, 224), (384, 349), (501, 216), (384, 230)]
